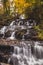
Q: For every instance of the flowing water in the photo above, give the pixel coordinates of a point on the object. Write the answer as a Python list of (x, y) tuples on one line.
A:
[(3, 30), (25, 53), (13, 27), (12, 37), (12, 23)]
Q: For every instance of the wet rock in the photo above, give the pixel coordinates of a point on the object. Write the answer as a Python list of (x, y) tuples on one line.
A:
[(1, 35), (14, 61), (1, 26), (19, 34), (27, 36), (8, 34), (33, 32), (6, 49)]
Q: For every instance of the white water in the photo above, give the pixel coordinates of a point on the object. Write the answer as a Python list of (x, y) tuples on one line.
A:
[(12, 36), (20, 22), (27, 23), (22, 16), (15, 25), (23, 37), (23, 27), (27, 32), (12, 23), (3, 30), (23, 56)]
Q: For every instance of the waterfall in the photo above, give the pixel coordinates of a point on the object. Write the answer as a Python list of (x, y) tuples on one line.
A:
[(38, 50), (27, 23), (22, 27), (23, 55), (23, 37), (12, 37), (19, 23), (27, 32), (12, 23), (3, 29), (15, 25)]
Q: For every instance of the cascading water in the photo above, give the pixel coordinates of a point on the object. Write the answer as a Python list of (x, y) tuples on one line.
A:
[(23, 37), (19, 23), (3, 29), (12, 23), (22, 27), (38, 50), (27, 23), (12, 36), (27, 32), (15, 25), (23, 55)]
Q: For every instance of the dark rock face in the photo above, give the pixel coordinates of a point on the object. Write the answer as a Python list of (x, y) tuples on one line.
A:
[(1, 35), (6, 49), (7, 34), (3, 59), (5, 53), (19, 34), (27, 36), (33, 32)]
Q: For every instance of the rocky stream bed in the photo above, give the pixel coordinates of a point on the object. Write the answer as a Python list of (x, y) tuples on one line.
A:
[(19, 44)]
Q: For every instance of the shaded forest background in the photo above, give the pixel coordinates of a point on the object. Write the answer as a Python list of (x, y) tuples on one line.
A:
[(10, 9)]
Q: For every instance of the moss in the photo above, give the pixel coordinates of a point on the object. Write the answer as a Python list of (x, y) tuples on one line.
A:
[(40, 34), (39, 31)]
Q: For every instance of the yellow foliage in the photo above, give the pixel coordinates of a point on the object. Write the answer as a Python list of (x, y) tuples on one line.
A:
[(21, 5), (37, 28), (40, 34), (7, 4), (39, 31), (1, 10), (27, 4)]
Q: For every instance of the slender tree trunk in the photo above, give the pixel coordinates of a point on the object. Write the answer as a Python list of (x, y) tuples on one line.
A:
[(6, 8)]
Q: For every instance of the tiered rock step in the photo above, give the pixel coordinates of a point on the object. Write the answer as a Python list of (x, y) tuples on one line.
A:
[(19, 25), (32, 45), (8, 42), (7, 48), (4, 64), (14, 42)]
